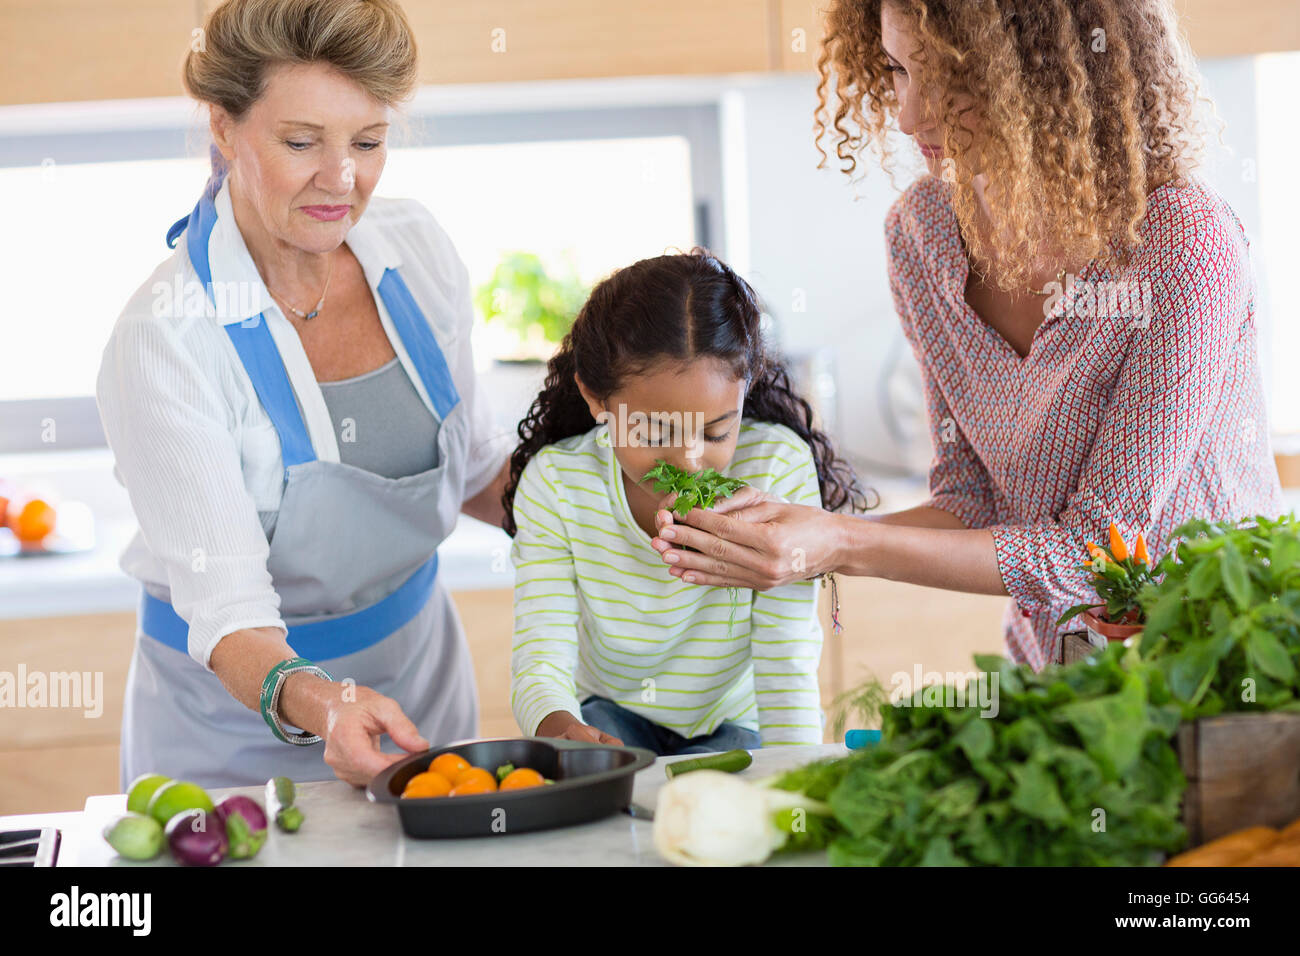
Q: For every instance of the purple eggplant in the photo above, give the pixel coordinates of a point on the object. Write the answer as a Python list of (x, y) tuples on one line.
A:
[(245, 823), (197, 838)]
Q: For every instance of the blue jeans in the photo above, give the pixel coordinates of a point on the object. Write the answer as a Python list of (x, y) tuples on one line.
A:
[(636, 731)]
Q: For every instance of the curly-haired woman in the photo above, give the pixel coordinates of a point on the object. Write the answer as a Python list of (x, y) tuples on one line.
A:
[(1081, 306)]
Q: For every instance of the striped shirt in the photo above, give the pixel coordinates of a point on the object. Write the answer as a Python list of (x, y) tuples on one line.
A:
[(596, 611)]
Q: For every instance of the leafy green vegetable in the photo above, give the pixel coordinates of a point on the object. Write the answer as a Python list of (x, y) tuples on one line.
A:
[(1076, 768), (694, 489), (1223, 623)]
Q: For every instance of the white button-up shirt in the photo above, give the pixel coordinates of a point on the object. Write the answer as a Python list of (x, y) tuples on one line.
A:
[(194, 447)]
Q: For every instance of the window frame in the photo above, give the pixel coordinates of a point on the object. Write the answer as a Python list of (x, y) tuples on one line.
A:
[(174, 135)]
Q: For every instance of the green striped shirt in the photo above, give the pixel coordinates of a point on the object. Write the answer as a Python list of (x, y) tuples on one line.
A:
[(596, 611)]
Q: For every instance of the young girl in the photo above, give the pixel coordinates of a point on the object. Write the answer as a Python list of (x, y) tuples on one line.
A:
[(665, 361)]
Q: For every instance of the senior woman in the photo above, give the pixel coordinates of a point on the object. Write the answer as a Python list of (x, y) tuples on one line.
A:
[(299, 430), (1082, 308)]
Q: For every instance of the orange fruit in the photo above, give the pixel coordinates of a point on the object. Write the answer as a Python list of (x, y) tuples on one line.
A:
[(522, 779), (427, 785), (33, 521), (449, 765), (474, 780)]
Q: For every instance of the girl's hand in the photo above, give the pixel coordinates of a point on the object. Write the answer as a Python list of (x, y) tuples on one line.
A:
[(750, 540), (565, 726)]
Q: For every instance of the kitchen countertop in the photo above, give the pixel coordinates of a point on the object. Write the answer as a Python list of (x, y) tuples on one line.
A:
[(343, 828)]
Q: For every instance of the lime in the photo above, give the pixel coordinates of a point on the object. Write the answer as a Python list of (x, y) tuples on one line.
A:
[(142, 788), (171, 798), (135, 836)]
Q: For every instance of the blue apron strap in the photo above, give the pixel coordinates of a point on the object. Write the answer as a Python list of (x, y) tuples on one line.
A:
[(316, 640), (257, 350), (252, 340), (417, 335)]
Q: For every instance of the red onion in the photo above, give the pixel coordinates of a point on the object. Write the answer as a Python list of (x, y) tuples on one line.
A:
[(196, 838)]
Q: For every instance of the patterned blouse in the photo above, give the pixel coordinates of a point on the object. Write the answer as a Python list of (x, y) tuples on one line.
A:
[(1140, 401)]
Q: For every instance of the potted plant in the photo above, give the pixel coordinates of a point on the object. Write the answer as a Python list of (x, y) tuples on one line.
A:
[(1119, 576), (535, 307)]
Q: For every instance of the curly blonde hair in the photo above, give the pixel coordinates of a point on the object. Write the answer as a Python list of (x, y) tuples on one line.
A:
[(1082, 108)]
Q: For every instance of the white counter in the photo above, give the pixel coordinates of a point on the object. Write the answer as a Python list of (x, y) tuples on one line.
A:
[(343, 828)]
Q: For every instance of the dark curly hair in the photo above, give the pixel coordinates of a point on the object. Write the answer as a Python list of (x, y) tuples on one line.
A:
[(680, 306)]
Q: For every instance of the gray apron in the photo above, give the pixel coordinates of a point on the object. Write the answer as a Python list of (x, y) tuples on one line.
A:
[(353, 559)]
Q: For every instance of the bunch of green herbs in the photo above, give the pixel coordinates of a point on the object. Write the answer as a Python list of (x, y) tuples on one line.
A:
[(1076, 768), (1223, 623)]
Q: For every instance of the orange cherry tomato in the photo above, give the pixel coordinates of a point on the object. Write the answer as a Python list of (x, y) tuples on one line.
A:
[(427, 785), (472, 781), (522, 779), (449, 765)]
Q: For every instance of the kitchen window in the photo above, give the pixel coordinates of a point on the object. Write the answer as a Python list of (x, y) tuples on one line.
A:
[(95, 186)]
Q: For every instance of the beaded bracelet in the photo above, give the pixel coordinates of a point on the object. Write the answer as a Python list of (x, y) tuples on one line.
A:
[(271, 686)]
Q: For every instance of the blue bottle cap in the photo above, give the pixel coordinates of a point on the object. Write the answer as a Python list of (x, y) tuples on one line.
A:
[(857, 739)]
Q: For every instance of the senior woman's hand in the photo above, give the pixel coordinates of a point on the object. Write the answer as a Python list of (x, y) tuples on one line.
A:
[(349, 717), (352, 732), (750, 540)]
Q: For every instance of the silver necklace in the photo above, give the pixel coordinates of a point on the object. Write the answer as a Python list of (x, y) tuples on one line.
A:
[(308, 316)]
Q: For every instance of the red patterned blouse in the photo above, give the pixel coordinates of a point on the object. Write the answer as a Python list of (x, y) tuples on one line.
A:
[(1140, 401)]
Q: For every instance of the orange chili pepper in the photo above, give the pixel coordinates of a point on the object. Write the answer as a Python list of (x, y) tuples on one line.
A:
[(1117, 546), (1095, 552), (1140, 551)]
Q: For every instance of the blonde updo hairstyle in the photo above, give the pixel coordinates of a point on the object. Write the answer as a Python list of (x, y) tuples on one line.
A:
[(369, 41)]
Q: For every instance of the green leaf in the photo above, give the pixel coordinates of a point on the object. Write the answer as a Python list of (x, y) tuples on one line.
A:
[(1270, 656), (1074, 612), (1037, 795), (975, 739), (1236, 579), (1204, 578)]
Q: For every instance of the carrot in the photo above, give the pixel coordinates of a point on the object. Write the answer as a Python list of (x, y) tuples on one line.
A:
[(1228, 850), (1279, 854)]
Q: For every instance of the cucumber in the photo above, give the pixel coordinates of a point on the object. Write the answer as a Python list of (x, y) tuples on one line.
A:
[(730, 761), (280, 791)]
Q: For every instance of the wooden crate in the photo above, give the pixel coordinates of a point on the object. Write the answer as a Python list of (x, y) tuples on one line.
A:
[(1242, 770), (1074, 647)]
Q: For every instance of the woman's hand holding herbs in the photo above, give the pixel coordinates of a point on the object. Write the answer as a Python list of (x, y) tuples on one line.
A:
[(749, 540)]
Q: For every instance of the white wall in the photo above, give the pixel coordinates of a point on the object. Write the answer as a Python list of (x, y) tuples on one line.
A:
[(813, 247)]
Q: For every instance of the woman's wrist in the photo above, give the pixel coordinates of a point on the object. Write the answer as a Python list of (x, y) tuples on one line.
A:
[(306, 700), (853, 544)]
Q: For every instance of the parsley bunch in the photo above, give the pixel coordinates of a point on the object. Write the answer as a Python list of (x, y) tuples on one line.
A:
[(694, 489), (1077, 768)]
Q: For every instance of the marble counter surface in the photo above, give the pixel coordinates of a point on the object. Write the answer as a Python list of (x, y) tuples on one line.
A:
[(343, 828)]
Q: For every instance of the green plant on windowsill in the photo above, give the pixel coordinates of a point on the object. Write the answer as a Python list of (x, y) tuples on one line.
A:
[(536, 307)]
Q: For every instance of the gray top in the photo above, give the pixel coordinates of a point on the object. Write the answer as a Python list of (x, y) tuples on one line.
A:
[(381, 423)]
